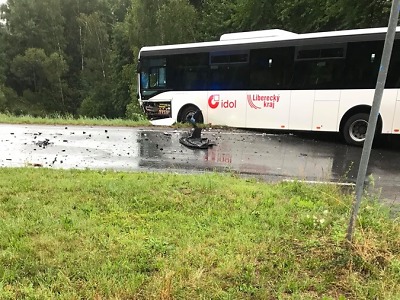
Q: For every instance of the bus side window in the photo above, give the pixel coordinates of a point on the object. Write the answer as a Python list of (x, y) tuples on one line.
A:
[(319, 67), (157, 77), (362, 64), (194, 79), (229, 70), (271, 68), (318, 74), (228, 77), (188, 72), (393, 77)]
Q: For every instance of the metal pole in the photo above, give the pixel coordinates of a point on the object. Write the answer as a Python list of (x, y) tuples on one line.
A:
[(373, 117)]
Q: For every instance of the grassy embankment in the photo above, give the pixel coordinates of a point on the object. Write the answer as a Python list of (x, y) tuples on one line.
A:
[(83, 121), (69, 120), (105, 235)]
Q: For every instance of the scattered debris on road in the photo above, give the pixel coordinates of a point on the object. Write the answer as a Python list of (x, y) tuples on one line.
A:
[(43, 144)]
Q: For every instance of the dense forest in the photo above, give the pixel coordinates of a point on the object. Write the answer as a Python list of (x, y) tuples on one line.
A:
[(78, 57)]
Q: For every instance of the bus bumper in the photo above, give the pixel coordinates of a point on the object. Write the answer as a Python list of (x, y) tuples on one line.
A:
[(157, 110)]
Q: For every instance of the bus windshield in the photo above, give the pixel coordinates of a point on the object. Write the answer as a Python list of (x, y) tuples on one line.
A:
[(153, 76)]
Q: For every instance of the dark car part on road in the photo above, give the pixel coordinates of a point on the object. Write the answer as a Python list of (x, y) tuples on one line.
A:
[(202, 143), (194, 140)]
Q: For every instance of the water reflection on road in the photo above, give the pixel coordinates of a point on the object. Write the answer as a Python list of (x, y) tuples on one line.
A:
[(272, 156)]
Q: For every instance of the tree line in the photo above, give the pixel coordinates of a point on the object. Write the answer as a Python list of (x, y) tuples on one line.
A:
[(78, 57)]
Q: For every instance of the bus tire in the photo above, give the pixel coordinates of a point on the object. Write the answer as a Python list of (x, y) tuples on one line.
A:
[(355, 129), (189, 111)]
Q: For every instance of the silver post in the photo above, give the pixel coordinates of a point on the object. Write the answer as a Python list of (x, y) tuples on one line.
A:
[(373, 117)]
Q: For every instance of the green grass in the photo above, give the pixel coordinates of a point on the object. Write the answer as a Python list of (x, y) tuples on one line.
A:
[(69, 120), (108, 235), (84, 121)]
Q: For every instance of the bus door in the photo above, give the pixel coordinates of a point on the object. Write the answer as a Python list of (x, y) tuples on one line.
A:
[(301, 109), (317, 83), (268, 96), (227, 84), (396, 117)]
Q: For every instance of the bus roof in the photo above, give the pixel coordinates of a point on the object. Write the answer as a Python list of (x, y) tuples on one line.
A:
[(269, 38), (256, 34)]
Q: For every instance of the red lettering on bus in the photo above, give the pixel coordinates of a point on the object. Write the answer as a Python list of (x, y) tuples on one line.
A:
[(228, 104), (214, 101), (266, 101)]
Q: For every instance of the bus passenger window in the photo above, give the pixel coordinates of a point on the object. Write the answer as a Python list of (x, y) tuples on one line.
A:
[(271, 68), (318, 74), (157, 77), (153, 79), (162, 79), (232, 77), (362, 64), (144, 80), (393, 76)]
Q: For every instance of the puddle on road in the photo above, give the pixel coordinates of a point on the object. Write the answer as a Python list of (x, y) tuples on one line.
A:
[(134, 149), (282, 156)]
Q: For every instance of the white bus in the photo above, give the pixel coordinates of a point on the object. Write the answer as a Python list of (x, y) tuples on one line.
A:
[(274, 79)]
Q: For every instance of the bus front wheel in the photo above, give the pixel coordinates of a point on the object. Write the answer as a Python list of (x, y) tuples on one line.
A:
[(188, 111), (355, 129)]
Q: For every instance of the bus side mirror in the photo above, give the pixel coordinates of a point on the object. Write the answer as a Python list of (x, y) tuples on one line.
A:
[(138, 67)]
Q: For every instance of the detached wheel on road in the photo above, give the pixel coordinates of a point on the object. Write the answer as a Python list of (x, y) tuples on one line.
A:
[(188, 111), (355, 129)]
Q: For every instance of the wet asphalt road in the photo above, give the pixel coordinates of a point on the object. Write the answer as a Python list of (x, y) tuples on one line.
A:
[(264, 155)]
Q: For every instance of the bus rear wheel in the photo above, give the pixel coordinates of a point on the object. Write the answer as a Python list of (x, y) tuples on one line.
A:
[(188, 111), (355, 129)]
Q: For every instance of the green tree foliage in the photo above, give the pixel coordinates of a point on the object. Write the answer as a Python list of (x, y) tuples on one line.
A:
[(156, 22), (256, 14), (184, 17), (35, 24), (40, 79), (3, 56), (76, 48), (362, 13), (216, 18), (3, 101), (309, 15), (123, 71), (96, 65), (306, 15), (35, 41)]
